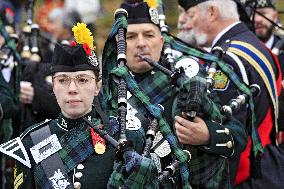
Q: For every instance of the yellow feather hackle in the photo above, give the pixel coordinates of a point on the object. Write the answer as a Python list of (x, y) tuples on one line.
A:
[(83, 35), (152, 3)]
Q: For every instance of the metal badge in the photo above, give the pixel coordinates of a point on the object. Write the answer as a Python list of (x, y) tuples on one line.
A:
[(190, 66), (93, 59), (63, 123), (100, 148), (58, 180), (161, 146), (154, 15), (40, 151), (221, 81)]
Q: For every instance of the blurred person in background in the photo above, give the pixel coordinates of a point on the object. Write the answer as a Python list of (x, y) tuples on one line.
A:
[(35, 87), (41, 15), (9, 80), (88, 10)]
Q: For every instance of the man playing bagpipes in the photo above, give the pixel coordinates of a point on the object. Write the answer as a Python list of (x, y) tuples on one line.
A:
[(145, 100), (217, 24)]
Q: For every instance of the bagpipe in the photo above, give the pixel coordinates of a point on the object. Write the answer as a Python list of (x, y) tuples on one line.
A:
[(30, 36), (9, 56), (9, 48), (178, 77), (190, 98), (164, 28), (122, 88), (154, 123)]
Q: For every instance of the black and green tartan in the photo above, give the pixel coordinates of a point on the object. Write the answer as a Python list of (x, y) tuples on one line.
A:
[(110, 92), (155, 111), (76, 148)]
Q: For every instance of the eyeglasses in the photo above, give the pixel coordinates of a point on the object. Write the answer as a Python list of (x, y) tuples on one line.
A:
[(80, 80)]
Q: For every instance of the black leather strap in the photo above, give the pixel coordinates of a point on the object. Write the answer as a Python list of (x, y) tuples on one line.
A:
[(53, 163)]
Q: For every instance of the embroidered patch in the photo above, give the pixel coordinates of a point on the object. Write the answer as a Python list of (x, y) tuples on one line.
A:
[(154, 15), (58, 180), (45, 148), (19, 179), (221, 81)]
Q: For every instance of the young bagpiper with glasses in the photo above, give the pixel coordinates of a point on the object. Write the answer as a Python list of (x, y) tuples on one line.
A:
[(66, 152)]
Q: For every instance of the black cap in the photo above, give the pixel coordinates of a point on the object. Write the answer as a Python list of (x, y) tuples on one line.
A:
[(68, 58), (139, 12), (79, 55), (265, 4), (186, 4)]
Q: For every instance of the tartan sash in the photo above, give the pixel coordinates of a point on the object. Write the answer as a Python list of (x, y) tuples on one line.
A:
[(157, 87), (76, 148)]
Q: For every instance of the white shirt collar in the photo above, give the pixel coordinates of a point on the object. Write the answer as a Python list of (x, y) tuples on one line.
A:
[(223, 32), (270, 41)]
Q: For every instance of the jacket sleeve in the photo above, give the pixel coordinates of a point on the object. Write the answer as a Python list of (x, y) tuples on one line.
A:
[(226, 140), (23, 177)]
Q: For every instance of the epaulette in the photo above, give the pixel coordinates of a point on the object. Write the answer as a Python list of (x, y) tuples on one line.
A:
[(16, 149), (32, 128)]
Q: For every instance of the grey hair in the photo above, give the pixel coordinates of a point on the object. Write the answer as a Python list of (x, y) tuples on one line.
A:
[(227, 8)]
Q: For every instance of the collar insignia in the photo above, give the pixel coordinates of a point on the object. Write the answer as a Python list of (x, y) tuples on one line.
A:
[(63, 123)]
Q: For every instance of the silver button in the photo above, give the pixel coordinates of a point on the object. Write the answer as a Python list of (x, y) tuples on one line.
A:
[(78, 175), (229, 144), (80, 167), (226, 131), (77, 185)]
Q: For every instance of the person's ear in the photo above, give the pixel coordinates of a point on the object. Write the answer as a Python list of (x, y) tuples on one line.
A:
[(98, 87), (213, 13), (275, 16)]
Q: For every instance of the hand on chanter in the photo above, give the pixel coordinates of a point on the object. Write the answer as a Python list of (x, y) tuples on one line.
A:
[(192, 132)]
